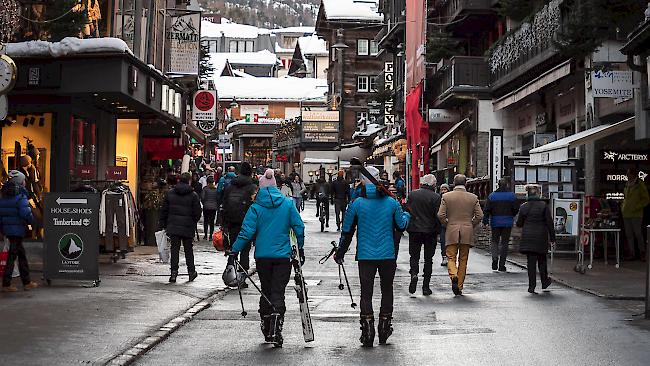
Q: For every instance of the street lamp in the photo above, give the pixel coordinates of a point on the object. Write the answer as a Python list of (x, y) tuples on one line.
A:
[(339, 47)]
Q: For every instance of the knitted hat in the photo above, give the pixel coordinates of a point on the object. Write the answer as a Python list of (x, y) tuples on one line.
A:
[(268, 179), (428, 180), (373, 171), (17, 177), (246, 169), (445, 185)]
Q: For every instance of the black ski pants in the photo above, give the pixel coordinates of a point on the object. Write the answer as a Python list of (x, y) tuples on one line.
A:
[(499, 246), (274, 276), (340, 205), (244, 256), (367, 272), (416, 241), (176, 242), (326, 205), (16, 252), (538, 259), (208, 222)]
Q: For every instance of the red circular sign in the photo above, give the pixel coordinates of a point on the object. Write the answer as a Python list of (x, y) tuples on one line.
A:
[(204, 101)]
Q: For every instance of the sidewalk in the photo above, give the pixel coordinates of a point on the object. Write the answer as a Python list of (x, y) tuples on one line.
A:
[(69, 323)]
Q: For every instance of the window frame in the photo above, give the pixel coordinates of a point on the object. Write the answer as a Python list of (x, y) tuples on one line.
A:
[(372, 84), (370, 47), (364, 78), (367, 49)]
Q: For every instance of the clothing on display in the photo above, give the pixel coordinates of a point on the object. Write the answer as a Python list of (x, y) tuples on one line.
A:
[(117, 217)]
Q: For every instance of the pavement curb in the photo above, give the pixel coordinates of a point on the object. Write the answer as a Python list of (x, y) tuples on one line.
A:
[(148, 342)]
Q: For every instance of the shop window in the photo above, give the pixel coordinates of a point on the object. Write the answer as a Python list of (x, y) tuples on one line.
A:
[(83, 142), (362, 47), (566, 174)]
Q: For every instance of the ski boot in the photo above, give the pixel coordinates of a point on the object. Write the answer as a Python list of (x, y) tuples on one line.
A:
[(265, 325), (385, 328), (275, 329), (367, 330)]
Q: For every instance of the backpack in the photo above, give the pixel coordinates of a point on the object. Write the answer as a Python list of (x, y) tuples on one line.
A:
[(236, 202), (227, 181)]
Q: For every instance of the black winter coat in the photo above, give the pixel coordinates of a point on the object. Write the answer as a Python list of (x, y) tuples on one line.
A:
[(180, 212), (341, 190), (424, 204), (535, 218)]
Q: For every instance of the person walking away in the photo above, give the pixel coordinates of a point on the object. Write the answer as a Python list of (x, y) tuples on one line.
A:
[(375, 216), (181, 211), (444, 188), (460, 211), (423, 230), (15, 214), (340, 197), (500, 209), (196, 184), (226, 180), (237, 199), (297, 190), (400, 185), (285, 187), (268, 222), (209, 199), (537, 227), (322, 192), (636, 198)]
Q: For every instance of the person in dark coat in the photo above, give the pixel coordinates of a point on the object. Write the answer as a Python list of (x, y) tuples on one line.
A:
[(210, 201), (340, 198), (500, 209), (181, 211), (423, 230), (15, 214), (322, 191), (537, 223)]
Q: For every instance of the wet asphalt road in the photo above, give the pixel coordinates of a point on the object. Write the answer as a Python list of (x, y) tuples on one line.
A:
[(496, 323)]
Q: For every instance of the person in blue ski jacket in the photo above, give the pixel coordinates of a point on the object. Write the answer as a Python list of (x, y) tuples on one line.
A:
[(268, 221), (225, 180), (500, 209), (375, 217)]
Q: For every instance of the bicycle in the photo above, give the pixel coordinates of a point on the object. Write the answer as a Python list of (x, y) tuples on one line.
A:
[(322, 201)]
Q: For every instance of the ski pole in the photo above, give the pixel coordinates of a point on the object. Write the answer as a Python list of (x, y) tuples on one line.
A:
[(241, 299), (326, 257), (254, 284), (354, 305), (341, 287)]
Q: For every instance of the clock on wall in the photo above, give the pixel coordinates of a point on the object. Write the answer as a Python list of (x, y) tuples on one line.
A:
[(8, 73), (207, 126)]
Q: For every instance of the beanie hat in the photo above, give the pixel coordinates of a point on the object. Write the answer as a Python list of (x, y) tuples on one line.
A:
[(268, 179), (246, 169), (373, 171), (445, 185), (428, 180), (17, 177)]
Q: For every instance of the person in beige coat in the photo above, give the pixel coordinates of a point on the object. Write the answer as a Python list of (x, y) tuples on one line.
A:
[(460, 211)]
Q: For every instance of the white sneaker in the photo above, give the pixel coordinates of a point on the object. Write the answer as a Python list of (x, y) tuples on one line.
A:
[(444, 262)]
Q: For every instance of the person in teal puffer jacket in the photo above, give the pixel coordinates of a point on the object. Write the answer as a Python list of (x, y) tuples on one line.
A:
[(375, 216), (269, 221)]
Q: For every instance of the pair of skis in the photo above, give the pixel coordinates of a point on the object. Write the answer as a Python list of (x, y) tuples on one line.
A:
[(301, 289)]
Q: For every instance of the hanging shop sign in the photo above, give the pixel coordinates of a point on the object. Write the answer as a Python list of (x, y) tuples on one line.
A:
[(224, 141), (389, 85), (320, 116), (182, 49), (320, 136), (117, 173), (566, 216), (320, 126), (204, 106), (443, 116), (71, 240), (621, 156), (612, 84), (86, 172), (282, 158), (497, 158)]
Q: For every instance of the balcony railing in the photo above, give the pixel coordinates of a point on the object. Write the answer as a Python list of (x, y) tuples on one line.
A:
[(452, 9), (461, 74)]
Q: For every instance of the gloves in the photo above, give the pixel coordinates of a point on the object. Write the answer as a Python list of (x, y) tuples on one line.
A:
[(338, 258), (301, 253)]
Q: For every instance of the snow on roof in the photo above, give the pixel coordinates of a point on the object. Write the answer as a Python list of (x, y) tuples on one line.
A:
[(370, 130), (303, 30), (280, 49), (268, 88), (264, 57), (67, 46), (242, 74), (312, 45), (262, 121), (230, 30), (352, 10)]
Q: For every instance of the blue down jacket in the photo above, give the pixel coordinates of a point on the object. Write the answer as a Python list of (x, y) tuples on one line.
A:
[(500, 208), (375, 217), (268, 222), (15, 211)]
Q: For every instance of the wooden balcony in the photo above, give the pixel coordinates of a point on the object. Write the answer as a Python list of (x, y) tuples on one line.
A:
[(461, 76)]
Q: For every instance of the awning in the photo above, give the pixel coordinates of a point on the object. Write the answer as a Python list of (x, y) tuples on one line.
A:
[(195, 132), (558, 151), (438, 145), (535, 85)]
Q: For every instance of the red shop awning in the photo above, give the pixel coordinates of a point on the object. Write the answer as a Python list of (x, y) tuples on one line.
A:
[(163, 148)]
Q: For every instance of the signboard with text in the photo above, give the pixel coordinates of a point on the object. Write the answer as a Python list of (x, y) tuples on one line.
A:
[(71, 240), (320, 116), (612, 84), (320, 136), (182, 44), (442, 115), (116, 173), (320, 126), (204, 105)]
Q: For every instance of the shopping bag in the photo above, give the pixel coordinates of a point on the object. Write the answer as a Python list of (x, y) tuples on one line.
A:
[(4, 255), (217, 240), (162, 241)]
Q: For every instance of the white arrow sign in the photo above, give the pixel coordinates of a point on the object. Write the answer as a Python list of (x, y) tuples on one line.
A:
[(72, 201)]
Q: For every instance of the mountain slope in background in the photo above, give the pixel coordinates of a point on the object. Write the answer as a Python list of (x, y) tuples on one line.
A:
[(265, 13)]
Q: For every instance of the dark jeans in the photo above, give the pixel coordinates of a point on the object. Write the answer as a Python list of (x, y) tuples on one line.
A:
[(499, 246), (176, 248), (540, 260), (340, 206), (274, 276), (443, 247), (16, 251), (416, 241), (326, 204), (208, 222), (231, 237), (367, 271)]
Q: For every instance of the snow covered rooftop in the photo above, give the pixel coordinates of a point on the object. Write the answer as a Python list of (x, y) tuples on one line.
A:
[(230, 30), (264, 57), (312, 45), (280, 49), (370, 130), (267, 88), (67, 46), (365, 10), (303, 30)]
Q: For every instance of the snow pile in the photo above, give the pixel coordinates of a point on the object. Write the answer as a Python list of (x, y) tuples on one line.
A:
[(312, 45), (67, 46), (264, 57), (372, 129), (267, 88), (230, 30), (352, 10)]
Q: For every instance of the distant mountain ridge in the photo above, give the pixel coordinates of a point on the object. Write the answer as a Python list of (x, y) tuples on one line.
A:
[(266, 13)]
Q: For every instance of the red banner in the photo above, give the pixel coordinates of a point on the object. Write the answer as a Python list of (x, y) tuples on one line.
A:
[(417, 135)]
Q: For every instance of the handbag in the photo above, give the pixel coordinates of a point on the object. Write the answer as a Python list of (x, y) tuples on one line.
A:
[(162, 241), (217, 240)]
